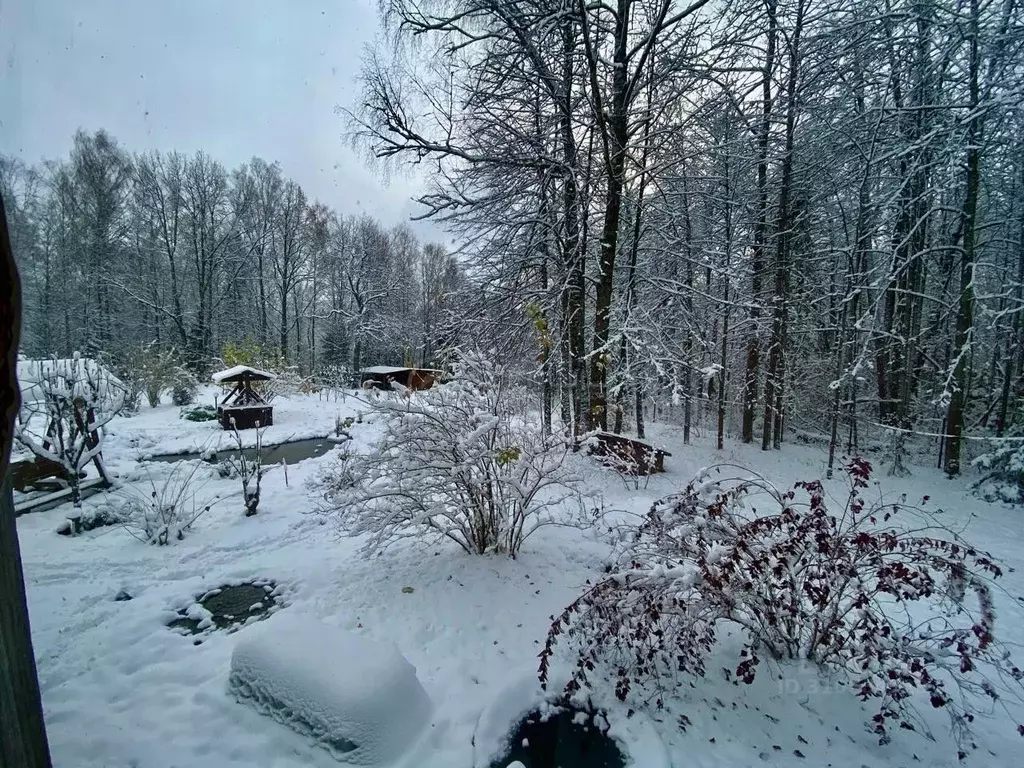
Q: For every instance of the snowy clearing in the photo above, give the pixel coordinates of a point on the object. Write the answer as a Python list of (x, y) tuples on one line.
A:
[(121, 689)]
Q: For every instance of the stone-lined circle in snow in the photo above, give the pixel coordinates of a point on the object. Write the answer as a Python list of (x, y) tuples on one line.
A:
[(229, 607), (357, 698)]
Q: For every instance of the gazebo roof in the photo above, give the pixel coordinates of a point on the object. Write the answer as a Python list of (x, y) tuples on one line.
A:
[(241, 373), (387, 369)]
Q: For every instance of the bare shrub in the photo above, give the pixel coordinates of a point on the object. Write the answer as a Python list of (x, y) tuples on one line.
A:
[(457, 462), (883, 608), (249, 470), (165, 511)]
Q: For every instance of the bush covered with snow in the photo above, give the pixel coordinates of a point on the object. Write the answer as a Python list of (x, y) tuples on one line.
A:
[(456, 461), (153, 369), (167, 509), (1003, 468), (96, 516), (66, 403), (358, 698), (199, 413), (903, 615), (184, 389)]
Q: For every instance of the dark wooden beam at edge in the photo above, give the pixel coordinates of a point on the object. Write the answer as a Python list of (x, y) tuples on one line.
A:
[(22, 731)]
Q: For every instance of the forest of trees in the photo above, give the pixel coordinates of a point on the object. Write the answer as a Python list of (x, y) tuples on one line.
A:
[(119, 251), (782, 217), (785, 216)]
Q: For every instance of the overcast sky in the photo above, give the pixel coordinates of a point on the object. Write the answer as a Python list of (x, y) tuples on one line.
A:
[(235, 78)]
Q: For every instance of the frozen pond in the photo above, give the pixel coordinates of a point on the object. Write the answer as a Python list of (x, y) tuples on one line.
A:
[(291, 453)]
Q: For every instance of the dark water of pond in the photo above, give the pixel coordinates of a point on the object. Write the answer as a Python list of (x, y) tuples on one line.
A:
[(292, 453), (230, 607), (565, 740)]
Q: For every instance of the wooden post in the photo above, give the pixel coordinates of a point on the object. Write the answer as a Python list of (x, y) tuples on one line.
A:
[(22, 731)]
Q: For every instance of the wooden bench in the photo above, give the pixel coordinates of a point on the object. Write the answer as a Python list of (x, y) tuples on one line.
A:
[(33, 474), (628, 456)]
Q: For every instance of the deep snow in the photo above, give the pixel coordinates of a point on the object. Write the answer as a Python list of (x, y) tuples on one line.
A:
[(358, 698), (121, 689)]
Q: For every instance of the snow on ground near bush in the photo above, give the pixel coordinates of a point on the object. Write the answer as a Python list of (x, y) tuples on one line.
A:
[(159, 431), (358, 698), (120, 689)]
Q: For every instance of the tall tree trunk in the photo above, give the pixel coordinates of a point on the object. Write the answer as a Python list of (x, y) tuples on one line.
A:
[(23, 740), (625, 361), (757, 260), (297, 322), (261, 284), (688, 304), (724, 359), (283, 338), (1014, 354), (965, 308), (771, 428), (574, 294), (357, 356), (617, 127), (850, 307), (896, 348), (543, 326), (631, 275)]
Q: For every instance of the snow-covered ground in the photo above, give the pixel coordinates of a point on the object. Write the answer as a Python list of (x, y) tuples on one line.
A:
[(158, 431), (120, 689)]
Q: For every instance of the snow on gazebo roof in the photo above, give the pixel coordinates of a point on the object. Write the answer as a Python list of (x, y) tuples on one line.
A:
[(385, 369), (240, 372)]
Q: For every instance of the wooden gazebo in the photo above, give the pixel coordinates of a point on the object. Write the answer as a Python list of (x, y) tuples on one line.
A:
[(382, 377), (243, 407)]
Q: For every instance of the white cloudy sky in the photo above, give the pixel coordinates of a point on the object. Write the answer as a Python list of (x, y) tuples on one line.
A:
[(235, 78)]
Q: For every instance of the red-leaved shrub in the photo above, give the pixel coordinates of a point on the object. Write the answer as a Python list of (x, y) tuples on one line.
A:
[(890, 609)]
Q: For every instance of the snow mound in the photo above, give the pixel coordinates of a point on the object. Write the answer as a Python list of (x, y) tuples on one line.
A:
[(357, 698)]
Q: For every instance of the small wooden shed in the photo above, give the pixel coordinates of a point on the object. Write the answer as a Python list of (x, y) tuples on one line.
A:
[(382, 376), (243, 407), (629, 456)]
